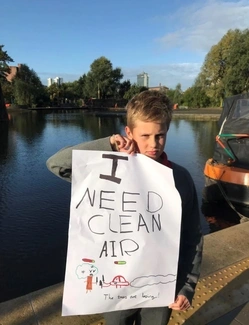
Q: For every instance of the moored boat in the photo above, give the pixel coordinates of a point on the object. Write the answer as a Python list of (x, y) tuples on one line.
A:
[(227, 173)]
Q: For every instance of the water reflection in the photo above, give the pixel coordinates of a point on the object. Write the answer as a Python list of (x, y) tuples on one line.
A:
[(203, 134), (93, 126), (103, 126), (28, 124), (219, 215)]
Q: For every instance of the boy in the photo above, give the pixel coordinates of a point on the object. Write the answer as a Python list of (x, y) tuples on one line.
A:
[(148, 119)]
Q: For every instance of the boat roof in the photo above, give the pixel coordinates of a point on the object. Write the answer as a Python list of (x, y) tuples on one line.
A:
[(235, 112), (232, 142)]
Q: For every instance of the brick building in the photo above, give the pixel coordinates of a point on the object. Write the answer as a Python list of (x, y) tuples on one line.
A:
[(13, 71), (160, 87)]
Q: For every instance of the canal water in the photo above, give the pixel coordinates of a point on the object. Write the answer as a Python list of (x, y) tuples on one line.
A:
[(34, 204)]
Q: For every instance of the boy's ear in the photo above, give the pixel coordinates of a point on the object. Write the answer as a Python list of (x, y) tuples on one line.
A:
[(128, 132)]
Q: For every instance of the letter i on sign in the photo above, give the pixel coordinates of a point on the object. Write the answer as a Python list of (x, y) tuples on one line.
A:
[(115, 159)]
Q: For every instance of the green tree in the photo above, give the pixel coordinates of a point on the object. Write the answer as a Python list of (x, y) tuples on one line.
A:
[(7, 89), (27, 86), (82, 87), (236, 79), (67, 92), (171, 94), (195, 97), (134, 89), (102, 80), (124, 87), (177, 99), (117, 75), (56, 93), (175, 95), (52, 91), (225, 69), (4, 68), (72, 91), (143, 88), (42, 98)]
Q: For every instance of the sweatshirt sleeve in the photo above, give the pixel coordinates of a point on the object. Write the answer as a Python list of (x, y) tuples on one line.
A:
[(191, 240), (61, 163)]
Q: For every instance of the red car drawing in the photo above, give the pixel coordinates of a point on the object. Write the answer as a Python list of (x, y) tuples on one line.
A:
[(118, 281)]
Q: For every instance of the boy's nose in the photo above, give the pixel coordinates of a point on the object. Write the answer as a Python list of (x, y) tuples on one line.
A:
[(153, 142)]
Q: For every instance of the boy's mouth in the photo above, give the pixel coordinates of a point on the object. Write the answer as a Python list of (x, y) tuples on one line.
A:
[(152, 154)]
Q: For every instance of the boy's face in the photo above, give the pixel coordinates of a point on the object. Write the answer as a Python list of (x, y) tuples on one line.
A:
[(150, 137)]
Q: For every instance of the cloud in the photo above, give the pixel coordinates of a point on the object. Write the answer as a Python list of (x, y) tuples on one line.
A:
[(202, 24), (168, 74)]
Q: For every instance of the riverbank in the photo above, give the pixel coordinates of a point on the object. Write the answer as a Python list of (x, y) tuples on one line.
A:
[(207, 110), (200, 114)]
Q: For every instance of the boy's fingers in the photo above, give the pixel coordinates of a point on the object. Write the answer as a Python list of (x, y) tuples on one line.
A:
[(119, 140), (128, 144), (185, 306), (181, 303), (123, 144), (128, 149)]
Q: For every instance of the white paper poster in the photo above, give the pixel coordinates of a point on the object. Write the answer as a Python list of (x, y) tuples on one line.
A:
[(124, 232)]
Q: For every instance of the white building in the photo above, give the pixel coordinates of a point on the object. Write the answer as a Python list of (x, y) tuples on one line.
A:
[(143, 80), (50, 81), (56, 80)]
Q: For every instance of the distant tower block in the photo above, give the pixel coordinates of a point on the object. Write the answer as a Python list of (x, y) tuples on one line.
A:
[(143, 80), (50, 81), (57, 81)]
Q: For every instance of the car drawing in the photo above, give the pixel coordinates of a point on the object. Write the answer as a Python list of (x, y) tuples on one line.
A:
[(118, 281)]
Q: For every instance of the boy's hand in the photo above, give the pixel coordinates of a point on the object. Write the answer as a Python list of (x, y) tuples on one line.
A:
[(181, 303), (122, 144)]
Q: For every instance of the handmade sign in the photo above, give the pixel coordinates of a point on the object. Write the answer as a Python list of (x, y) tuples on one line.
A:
[(124, 234)]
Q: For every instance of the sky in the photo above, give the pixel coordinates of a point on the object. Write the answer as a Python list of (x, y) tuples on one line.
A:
[(167, 39)]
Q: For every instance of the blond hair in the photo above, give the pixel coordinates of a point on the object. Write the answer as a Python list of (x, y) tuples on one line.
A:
[(149, 106)]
